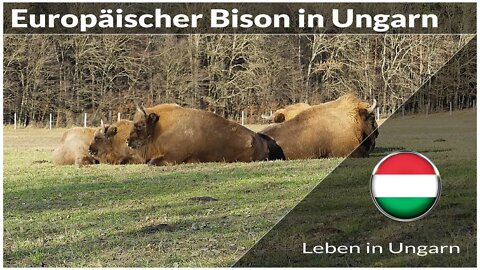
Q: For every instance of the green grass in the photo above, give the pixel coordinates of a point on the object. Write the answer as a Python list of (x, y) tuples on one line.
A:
[(138, 215)]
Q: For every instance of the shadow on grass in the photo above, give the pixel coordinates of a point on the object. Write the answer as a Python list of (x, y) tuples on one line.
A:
[(383, 150), (76, 195), (168, 243), (135, 185)]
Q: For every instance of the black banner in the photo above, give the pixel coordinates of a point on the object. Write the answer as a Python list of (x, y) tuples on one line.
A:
[(241, 18)]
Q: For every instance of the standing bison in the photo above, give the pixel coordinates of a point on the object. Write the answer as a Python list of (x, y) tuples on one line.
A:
[(332, 129), (286, 113), (108, 144), (169, 134), (73, 148)]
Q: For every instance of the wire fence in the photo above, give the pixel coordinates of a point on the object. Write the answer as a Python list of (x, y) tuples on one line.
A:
[(86, 119)]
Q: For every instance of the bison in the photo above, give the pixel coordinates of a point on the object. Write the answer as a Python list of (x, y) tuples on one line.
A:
[(170, 134), (73, 148), (286, 113), (332, 129), (108, 144)]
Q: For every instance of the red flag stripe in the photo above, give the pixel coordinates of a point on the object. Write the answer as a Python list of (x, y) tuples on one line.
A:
[(405, 163)]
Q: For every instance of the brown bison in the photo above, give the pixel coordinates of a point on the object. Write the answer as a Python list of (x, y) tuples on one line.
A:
[(286, 113), (169, 134), (332, 129), (108, 144), (73, 148)]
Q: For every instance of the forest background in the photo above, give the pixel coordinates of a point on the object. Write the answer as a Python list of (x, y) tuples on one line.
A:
[(103, 75)]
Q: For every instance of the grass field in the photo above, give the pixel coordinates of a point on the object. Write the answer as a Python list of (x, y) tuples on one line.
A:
[(138, 215)]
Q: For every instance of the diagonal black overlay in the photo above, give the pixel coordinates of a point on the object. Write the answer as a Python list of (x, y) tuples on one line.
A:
[(340, 211)]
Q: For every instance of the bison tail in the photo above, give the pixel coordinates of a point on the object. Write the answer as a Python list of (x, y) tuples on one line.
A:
[(274, 150)]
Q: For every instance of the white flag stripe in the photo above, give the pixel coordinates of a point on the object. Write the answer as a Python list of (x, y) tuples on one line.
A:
[(405, 185)]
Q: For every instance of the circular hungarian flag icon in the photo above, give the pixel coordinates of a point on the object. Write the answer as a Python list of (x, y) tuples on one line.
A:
[(405, 186)]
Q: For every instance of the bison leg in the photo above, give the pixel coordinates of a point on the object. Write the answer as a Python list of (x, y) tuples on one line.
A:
[(171, 158), (159, 161), (131, 160), (125, 161), (85, 160)]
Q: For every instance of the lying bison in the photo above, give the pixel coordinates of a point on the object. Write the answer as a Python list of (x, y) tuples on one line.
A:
[(73, 148), (286, 113), (332, 129), (108, 144), (169, 134)]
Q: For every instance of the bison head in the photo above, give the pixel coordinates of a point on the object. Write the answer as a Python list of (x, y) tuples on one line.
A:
[(143, 128), (102, 142), (277, 117), (369, 127), (287, 113)]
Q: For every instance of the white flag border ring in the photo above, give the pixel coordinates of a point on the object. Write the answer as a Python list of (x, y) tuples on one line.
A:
[(437, 199)]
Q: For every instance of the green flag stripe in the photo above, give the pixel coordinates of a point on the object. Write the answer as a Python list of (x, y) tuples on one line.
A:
[(405, 207)]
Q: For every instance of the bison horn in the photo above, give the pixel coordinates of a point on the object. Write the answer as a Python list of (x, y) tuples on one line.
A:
[(372, 108), (267, 117), (104, 128), (142, 110)]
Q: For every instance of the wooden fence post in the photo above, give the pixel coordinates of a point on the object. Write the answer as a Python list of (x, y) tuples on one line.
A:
[(85, 120), (50, 122), (14, 120), (450, 108), (118, 117), (243, 118)]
